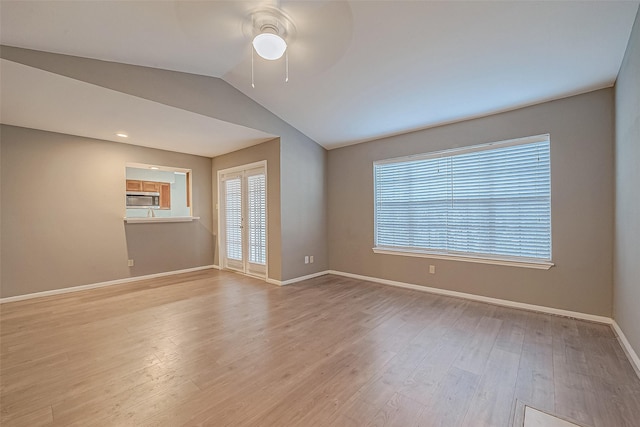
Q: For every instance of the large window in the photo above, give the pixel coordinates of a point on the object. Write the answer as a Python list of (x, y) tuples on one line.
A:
[(490, 202)]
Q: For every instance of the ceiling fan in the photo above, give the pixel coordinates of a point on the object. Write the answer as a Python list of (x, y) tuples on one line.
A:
[(314, 35), (271, 31)]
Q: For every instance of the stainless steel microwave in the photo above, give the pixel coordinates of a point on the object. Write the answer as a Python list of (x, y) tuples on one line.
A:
[(143, 200)]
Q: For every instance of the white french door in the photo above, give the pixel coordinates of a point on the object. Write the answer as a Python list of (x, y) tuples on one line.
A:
[(243, 220)]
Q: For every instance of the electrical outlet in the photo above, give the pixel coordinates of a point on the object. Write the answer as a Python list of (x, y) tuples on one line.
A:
[(311, 259), (130, 263), (306, 259), (432, 269)]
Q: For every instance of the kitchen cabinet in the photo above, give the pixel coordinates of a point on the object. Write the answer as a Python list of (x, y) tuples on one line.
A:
[(164, 188), (151, 186), (165, 195), (133, 185)]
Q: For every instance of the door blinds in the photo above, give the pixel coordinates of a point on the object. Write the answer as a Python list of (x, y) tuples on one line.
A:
[(233, 216), (257, 204)]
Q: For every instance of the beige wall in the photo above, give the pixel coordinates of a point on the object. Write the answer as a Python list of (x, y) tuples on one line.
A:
[(269, 151), (581, 129), (303, 198), (304, 208), (627, 231), (63, 207)]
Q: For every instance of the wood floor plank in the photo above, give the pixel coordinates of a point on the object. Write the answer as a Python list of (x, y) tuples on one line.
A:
[(572, 392), (423, 385), (39, 417), (218, 348), (512, 331), (449, 404), (383, 386), (399, 411), (473, 358), (620, 406), (496, 387), (535, 382), (573, 395), (356, 411)]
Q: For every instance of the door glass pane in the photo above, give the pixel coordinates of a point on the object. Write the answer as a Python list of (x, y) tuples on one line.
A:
[(233, 215), (257, 216)]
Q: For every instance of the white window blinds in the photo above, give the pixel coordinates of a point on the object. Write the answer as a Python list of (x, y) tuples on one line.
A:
[(233, 216), (257, 203), (492, 200)]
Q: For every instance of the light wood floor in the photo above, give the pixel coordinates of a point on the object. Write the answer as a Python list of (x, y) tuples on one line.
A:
[(216, 348)]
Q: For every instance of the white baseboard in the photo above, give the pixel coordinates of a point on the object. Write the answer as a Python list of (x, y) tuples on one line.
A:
[(480, 298), (217, 267), (100, 284), (280, 282), (626, 346), (297, 279)]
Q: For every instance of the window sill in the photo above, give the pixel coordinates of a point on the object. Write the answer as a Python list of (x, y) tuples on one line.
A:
[(540, 265), (147, 220)]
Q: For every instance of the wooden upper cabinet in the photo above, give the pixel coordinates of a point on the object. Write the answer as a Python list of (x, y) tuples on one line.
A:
[(164, 188), (151, 186), (133, 185), (165, 195)]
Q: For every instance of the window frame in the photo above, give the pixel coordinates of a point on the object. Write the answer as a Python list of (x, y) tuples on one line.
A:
[(514, 261)]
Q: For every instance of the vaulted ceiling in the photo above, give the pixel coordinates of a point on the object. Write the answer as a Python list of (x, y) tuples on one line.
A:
[(359, 70)]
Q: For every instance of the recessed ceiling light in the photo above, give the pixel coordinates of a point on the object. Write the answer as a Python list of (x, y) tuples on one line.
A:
[(154, 168), (122, 135)]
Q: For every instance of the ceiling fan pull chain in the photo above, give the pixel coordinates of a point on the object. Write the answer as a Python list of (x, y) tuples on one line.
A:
[(286, 59)]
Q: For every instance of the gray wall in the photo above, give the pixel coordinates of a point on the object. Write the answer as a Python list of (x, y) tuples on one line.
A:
[(627, 230), (303, 198), (581, 129), (269, 151), (304, 208), (63, 207)]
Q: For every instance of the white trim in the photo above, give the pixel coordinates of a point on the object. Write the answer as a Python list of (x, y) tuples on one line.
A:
[(217, 267), (242, 168), (158, 167), (297, 279), (147, 220), (101, 284), (540, 265), (468, 149), (480, 298), (626, 346)]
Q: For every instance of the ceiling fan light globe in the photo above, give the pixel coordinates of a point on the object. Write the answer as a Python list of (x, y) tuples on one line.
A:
[(269, 46)]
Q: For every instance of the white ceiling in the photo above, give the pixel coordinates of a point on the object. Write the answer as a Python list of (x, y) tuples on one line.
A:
[(359, 70), (42, 100)]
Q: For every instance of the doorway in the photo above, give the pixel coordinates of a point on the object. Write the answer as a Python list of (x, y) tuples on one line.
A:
[(242, 195)]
